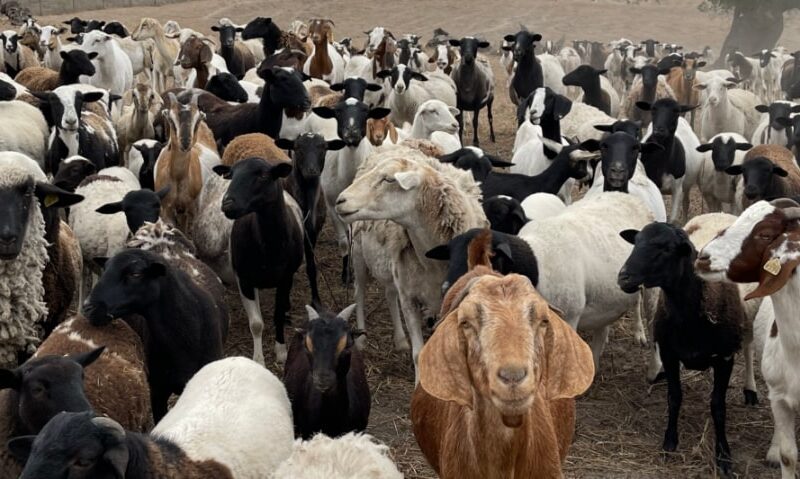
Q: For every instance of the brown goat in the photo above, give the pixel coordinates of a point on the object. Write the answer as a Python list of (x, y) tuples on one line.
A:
[(378, 130), (197, 53), (321, 34), (784, 181), (497, 382)]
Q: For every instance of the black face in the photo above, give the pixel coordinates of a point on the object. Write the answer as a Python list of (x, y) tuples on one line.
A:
[(7, 91), (455, 252), (94, 25), (72, 446), (309, 152), (15, 205), (665, 114), (523, 43), (116, 28), (227, 34), (402, 75), (285, 87), (139, 206), (355, 88), (265, 29), (650, 47), (131, 281), (619, 152), (254, 186), (723, 152), (780, 114), (70, 174), (649, 75), (76, 25), (657, 250), (633, 128), (330, 344), (758, 175), (78, 62), (469, 48), (351, 119), (505, 214), (149, 157), (48, 385), (582, 76), (469, 160), (227, 87)]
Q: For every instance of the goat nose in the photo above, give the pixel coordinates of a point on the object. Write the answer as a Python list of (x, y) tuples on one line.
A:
[(341, 200), (7, 238), (512, 376)]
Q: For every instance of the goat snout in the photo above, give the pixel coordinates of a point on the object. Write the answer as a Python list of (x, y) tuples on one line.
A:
[(96, 313), (751, 192), (703, 262), (513, 375)]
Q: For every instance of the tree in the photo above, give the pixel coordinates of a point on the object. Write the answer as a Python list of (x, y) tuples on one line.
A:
[(756, 25)]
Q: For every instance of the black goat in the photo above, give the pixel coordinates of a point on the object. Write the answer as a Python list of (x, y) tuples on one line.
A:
[(474, 86)]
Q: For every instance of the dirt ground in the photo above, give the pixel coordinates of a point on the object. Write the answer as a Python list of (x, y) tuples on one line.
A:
[(621, 419)]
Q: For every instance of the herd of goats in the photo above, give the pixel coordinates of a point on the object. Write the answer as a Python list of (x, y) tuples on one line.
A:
[(145, 171)]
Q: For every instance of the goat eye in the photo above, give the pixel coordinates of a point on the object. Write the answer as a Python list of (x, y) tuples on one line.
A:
[(83, 463), (136, 275), (764, 237), (37, 390)]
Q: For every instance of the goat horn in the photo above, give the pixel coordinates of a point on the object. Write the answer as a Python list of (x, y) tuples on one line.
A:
[(792, 213), (784, 203), (553, 145)]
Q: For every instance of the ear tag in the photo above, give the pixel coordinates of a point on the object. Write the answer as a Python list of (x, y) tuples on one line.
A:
[(50, 200), (773, 266)]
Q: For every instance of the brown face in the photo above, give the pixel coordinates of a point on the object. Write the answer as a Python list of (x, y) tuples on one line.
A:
[(746, 266)]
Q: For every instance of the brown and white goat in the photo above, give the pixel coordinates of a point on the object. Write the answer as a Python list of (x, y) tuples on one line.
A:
[(381, 129), (197, 53), (325, 62), (180, 165), (136, 121), (497, 382)]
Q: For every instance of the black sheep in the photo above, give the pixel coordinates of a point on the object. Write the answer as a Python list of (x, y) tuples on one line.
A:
[(528, 75)]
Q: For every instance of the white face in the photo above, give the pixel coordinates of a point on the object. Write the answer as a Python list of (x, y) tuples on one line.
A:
[(375, 38), (96, 41), (723, 249), (69, 119), (438, 117), (717, 90), (387, 192), (48, 34), (536, 110), (400, 87), (442, 60)]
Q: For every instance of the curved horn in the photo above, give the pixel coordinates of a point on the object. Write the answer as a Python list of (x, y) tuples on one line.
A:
[(792, 213), (111, 426), (784, 203)]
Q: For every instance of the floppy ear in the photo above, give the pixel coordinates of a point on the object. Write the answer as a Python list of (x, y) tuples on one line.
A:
[(116, 452), (454, 43), (20, 447), (284, 144), (110, 208), (324, 112), (704, 148), (206, 54), (762, 108), (441, 252), (443, 369), (643, 105), (568, 362), (629, 235), (163, 192), (9, 379), (775, 271), (53, 196), (87, 358), (777, 170), (734, 170)]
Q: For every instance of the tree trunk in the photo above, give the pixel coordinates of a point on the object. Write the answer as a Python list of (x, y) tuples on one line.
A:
[(755, 27)]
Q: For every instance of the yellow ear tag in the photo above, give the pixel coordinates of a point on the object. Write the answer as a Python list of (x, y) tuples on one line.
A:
[(50, 200), (773, 266)]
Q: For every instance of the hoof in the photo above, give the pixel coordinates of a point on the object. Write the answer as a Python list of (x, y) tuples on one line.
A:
[(750, 398), (361, 342), (661, 376), (641, 338), (774, 457), (280, 353), (725, 466), (670, 444)]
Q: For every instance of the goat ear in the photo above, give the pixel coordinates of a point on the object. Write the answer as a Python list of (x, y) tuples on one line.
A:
[(335, 145), (281, 170), (498, 163), (374, 87), (418, 76), (337, 87), (590, 145), (443, 369), (743, 146), (87, 358), (643, 105), (163, 192), (454, 43), (9, 379), (223, 171), (378, 113), (629, 235), (53, 196), (110, 208), (441, 252), (408, 180), (734, 170), (775, 271), (100, 261), (383, 74), (20, 447), (312, 313), (762, 108), (284, 144), (777, 170), (705, 147), (606, 128), (563, 346), (324, 112)]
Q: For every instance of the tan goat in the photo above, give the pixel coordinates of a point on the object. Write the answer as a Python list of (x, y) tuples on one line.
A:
[(498, 379), (180, 164)]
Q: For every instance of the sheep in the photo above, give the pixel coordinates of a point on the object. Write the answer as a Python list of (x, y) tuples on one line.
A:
[(435, 121), (529, 154), (409, 54), (324, 377), (474, 85), (324, 61), (304, 185), (776, 119), (580, 122), (527, 74), (141, 207), (650, 88), (190, 151), (759, 247), (406, 96), (136, 121), (23, 130), (676, 166), (78, 131), (505, 214), (380, 130), (114, 70), (545, 108), (28, 214), (74, 64), (727, 108), (539, 206), (595, 93), (458, 443), (237, 56), (710, 317), (99, 236), (115, 385), (220, 402), (266, 247), (351, 455), (225, 86), (150, 28), (722, 151), (142, 161), (284, 92), (768, 172), (416, 182)]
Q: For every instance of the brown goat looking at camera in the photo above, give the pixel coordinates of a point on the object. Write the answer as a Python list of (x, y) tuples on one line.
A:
[(498, 379)]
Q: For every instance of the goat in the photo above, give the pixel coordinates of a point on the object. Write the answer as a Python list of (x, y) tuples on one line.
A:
[(474, 85)]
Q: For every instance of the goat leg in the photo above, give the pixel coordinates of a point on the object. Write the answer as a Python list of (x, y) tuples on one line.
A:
[(672, 369), (722, 376), (491, 117)]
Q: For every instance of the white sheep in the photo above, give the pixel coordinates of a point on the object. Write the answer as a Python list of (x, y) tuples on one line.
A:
[(726, 108), (21, 289), (346, 457), (718, 188), (581, 120), (23, 129), (100, 235), (539, 206), (570, 60), (435, 121), (553, 72), (114, 70)]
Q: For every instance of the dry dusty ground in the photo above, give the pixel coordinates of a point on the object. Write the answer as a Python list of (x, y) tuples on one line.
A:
[(621, 419)]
